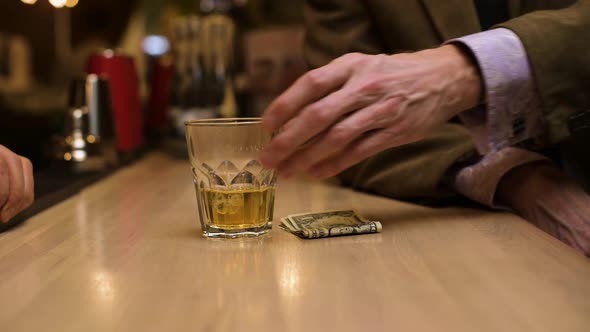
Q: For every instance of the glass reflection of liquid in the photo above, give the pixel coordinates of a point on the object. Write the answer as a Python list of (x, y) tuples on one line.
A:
[(103, 284), (240, 271), (289, 279)]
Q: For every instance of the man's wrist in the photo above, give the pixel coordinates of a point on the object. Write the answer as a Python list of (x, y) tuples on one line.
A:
[(473, 67), (513, 112), (468, 88)]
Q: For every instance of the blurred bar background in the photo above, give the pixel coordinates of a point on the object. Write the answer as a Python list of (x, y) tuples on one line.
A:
[(193, 58), (73, 72)]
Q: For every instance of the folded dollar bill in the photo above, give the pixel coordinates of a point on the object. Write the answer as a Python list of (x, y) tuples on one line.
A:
[(329, 223)]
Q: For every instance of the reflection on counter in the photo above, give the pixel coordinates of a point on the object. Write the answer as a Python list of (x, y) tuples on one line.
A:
[(103, 284)]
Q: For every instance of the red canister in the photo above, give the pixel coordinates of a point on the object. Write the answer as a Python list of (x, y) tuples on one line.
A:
[(162, 73), (121, 72)]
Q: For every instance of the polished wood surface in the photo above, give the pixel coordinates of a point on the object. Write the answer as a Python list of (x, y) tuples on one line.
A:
[(126, 255)]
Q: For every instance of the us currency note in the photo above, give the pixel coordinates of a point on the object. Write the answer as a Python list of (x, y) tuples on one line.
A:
[(287, 226), (328, 224)]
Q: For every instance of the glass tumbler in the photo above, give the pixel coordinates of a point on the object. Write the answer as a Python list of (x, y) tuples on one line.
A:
[(235, 194)]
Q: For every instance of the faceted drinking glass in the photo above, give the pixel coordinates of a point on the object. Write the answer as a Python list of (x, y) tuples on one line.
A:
[(235, 194)]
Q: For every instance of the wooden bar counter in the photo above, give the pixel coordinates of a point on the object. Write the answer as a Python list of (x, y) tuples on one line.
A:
[(126, 255)]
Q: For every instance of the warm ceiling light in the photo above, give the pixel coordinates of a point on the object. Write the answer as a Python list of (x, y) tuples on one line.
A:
[(71, 3), (58, 3), (29, 2)]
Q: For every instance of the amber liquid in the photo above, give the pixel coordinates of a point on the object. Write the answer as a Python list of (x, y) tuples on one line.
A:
[(239, 209)]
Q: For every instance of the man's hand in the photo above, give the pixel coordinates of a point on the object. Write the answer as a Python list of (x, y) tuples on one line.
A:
[(358, 105), (16, 184)]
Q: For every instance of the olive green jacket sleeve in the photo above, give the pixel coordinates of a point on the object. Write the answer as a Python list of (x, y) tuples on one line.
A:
[(334, 28), (337, 27), (557, 43)]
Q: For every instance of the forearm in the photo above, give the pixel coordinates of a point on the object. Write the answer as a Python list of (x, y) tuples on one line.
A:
[(543, 195), (535, 71), (512, 113), (480, 180), (557, 43), (531, 186)]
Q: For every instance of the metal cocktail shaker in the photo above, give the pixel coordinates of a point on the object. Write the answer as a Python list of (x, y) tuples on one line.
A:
[(89, 140)]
